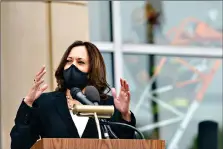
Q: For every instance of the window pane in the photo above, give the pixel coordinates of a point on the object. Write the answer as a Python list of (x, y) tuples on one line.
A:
[(180, 83), (108, 59), (191, 23), (133, 23), (99, 20)]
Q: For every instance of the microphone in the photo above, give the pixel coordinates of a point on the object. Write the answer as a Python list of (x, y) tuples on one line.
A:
[(78, 95), (79, 109), (83, 110), (93, 94), (88, 108)]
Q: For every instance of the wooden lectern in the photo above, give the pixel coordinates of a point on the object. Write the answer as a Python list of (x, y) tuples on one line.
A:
[(59, 143)]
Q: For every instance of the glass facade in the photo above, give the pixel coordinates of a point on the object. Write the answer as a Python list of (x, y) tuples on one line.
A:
[(179, 85), (172, 89), (133, 23), (108, 58), (188, 23), (100, 24)]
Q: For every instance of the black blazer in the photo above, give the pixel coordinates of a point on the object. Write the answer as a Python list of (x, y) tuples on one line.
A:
[(50, 118)]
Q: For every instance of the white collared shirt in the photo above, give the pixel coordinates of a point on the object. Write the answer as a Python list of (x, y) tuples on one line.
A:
[(80, 123)]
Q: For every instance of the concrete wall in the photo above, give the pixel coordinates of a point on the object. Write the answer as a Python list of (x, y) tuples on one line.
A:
[(33, 34)]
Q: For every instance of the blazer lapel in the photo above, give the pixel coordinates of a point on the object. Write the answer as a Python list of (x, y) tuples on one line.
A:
[(62, 108), (90, 130)]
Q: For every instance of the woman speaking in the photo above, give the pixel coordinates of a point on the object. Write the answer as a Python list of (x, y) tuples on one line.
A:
[(47, 115)]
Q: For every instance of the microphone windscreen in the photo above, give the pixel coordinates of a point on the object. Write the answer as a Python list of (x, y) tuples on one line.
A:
[(92, 94)]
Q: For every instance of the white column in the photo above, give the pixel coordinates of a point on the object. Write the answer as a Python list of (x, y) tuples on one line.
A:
[(117, 36)]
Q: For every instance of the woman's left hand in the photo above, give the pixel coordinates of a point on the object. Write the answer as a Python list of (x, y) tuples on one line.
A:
[(122, 102)]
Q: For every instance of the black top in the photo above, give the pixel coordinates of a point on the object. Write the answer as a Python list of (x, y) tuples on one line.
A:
[(50, 118)]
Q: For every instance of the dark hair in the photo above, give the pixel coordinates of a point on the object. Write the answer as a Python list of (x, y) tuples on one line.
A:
[(97, 69)]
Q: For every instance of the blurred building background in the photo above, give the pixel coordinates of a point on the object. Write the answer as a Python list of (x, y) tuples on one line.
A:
[(170, 53)]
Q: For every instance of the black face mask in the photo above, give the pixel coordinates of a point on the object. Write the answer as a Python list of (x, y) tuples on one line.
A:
[(73, 77)]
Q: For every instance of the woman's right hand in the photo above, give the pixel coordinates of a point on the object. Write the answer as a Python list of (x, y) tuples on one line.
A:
[(36, 90)]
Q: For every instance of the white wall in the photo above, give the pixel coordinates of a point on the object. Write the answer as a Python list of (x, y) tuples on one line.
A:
[(28, 40)]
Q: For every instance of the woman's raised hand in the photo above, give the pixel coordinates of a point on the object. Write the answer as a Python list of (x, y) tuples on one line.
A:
[(36, 89)]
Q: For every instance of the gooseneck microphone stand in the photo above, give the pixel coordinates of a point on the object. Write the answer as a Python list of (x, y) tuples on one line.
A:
[(107, 130), (107, 123)]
